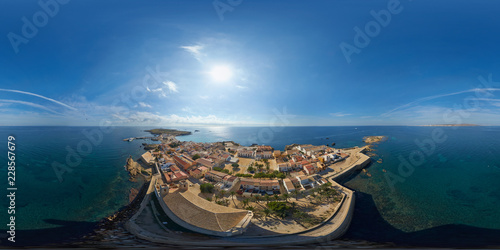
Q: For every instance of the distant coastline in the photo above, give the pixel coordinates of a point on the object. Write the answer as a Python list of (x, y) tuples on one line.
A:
[(449, 125)]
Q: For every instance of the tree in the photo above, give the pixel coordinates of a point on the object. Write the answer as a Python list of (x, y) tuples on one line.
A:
[(286, 196), (196, 156), (267, 197), (207, 188), (276, 197), (245, 202), (235, 165), (250, 169), (296, 193), (267, 212), (257, 198), (280, 208)]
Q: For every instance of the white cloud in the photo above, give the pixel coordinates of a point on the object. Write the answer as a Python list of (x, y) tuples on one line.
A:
[(144, 105), (171, 86), (155, 119), (339, 114), (195, 50)]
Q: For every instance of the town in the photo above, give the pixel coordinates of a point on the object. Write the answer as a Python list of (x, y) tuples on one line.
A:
[(234, 191)]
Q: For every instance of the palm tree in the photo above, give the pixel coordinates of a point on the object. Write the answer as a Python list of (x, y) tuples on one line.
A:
[(286, 196), (245, 202), (232, 197), (257, 198), (267, 212), (267, 198), (276, 197), (296, 193)]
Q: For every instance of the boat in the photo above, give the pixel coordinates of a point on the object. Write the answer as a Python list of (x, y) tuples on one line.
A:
[(196, 130)]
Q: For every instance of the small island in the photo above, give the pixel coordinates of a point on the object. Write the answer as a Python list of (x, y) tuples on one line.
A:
[(374, 139), (159, 131)]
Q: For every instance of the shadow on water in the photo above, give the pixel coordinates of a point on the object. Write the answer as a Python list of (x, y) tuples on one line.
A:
[(66, 232), (368, 224)]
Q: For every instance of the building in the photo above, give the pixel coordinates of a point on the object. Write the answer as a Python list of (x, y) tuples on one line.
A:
[(245, 153), (310, 169), (148, 158), (288, 185), (196, 173), (247, 183), (284, 167), (181, 163), (276, 153), (207, 162), (269, 185), (215, 176), (264, 155), (179, 176)]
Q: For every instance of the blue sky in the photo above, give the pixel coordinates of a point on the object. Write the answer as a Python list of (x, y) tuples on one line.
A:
[(263, 63)]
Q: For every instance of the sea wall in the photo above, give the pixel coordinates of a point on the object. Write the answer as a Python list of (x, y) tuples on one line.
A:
[(362, 162)]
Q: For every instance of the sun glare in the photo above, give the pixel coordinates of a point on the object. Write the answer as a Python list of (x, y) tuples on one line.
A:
[(221, 73)]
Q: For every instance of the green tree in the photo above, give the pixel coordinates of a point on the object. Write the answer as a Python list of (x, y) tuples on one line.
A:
[(286, 196), (267, 198), (207, 188), (267, 212), (196, 156), (279, 208), (235, 165), (250, 169), (245, 202)]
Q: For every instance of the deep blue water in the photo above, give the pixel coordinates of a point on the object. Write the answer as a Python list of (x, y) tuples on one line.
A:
[(450, 190)]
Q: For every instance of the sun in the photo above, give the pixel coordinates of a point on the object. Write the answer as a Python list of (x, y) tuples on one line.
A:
[(221, 73)]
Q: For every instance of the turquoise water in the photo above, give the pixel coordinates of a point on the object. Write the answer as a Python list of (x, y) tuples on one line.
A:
[(453, 192)]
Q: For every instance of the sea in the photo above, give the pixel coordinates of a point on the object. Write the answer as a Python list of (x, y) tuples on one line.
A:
[(425, 187)]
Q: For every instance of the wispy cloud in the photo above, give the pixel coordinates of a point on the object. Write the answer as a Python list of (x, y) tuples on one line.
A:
[(477, 90), (339, 114), (194, 50), (31, 105), (170, 87), (37, 95)]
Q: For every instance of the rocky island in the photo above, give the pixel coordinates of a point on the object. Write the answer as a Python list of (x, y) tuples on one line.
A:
[(160, 131), (374, 139)]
